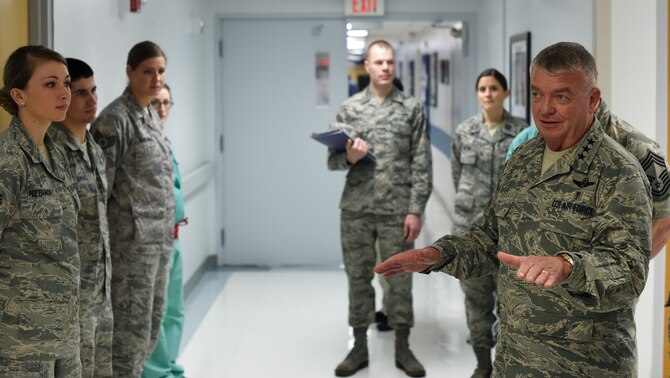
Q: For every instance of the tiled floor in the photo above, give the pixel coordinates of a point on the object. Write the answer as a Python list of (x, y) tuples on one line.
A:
[(292, 322)]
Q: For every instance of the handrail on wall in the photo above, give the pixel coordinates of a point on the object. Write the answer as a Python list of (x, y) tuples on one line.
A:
[(196, 179)]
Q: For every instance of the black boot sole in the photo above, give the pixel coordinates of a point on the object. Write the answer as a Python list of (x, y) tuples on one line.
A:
[(401, 367), (347, 373)]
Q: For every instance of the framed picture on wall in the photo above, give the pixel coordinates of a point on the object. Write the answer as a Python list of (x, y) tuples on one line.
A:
[(444, 71), (411, 78), (519, 77), (433, 80)]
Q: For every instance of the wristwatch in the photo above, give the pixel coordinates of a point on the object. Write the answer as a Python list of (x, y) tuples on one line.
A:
[(567, 258)]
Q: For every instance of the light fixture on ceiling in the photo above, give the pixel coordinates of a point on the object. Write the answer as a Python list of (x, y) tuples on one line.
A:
[(357, 33)]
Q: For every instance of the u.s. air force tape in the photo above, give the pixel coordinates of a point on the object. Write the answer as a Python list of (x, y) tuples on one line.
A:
[(657, 173)]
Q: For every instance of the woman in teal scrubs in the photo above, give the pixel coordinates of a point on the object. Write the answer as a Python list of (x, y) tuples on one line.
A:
[(162, 362)]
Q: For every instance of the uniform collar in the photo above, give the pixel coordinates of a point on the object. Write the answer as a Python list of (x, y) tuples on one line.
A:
[(28, 145), (61, 134), (395, 95), (579, 159), (24, 140), (505, 130), (147, 114)]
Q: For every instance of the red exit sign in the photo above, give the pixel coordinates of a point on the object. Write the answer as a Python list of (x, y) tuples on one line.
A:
[(364, 7)]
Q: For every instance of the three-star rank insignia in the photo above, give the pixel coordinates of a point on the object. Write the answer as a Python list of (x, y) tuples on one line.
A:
[(585, 150), (657, 173)]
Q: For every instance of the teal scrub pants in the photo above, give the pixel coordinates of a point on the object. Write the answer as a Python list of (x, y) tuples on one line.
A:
[(163, 361)]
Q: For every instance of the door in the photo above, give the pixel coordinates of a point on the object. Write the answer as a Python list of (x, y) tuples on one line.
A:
[(279, 203), (13, 34)]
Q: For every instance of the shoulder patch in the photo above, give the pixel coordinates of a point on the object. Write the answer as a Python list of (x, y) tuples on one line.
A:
[(657, 174), (105, 142)]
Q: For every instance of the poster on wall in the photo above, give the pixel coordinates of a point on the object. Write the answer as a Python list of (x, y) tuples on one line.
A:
[(322, 76), (519, 56)]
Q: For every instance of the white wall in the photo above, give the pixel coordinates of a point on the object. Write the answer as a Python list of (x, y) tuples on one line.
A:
[(548, 22), (639, 95), (94, 31)]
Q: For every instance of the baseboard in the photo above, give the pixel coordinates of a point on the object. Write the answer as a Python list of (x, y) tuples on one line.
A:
[(210, 262)]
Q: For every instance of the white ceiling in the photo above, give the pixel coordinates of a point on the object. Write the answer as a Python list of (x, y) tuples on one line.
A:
[(396, 30)]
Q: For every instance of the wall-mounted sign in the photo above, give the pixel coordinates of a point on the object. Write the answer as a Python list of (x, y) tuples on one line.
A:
[(364, 7)]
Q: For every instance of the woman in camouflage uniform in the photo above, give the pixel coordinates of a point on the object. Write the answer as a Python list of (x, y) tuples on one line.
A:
[(140, 208), (39, 258), (478, 155)]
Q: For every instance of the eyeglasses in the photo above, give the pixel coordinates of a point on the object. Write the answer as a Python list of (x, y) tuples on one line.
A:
[(158, 103)]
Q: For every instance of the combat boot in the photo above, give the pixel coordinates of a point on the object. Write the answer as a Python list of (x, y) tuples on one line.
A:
[(357, 358), (404, 358), (382, 322), (484, 368)]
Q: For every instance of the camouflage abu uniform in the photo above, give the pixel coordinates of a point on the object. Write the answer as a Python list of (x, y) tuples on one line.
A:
[(141, 216), (95, 304), (594, 204), (648, 153), (377, 197), (477, 160), (39, 260)]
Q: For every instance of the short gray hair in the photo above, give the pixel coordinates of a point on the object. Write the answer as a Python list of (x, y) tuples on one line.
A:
[(567, 56)]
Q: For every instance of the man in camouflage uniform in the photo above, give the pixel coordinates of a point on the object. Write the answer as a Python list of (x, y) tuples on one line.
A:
[(141, 214), (571, 222), (478, 156), (648, 153), (381, 201), (87, 166)]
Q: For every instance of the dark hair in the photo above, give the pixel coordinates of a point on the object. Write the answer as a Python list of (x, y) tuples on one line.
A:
[(19, 68), (78, 69), (380, 42), (168, 89), (496, 75), (143, 51), (567, 56)]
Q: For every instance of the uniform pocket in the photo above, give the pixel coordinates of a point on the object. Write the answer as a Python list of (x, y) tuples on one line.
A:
[(150, 224), (39, 206), (560, 327), (468, 156), (464, 202), (46, 303), (42, 217)]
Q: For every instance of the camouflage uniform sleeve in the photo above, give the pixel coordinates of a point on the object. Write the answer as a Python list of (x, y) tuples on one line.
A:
[(456, 159), (10, 186), (422, 163), (470, 254), (613, 273), (661, 208), (337, 160), (110, 132)]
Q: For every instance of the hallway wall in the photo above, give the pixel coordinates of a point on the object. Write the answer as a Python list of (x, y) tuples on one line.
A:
[(96, 32), (639, 95)]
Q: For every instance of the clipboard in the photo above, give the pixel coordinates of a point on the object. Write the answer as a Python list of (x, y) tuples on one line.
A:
[(337, 140)]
